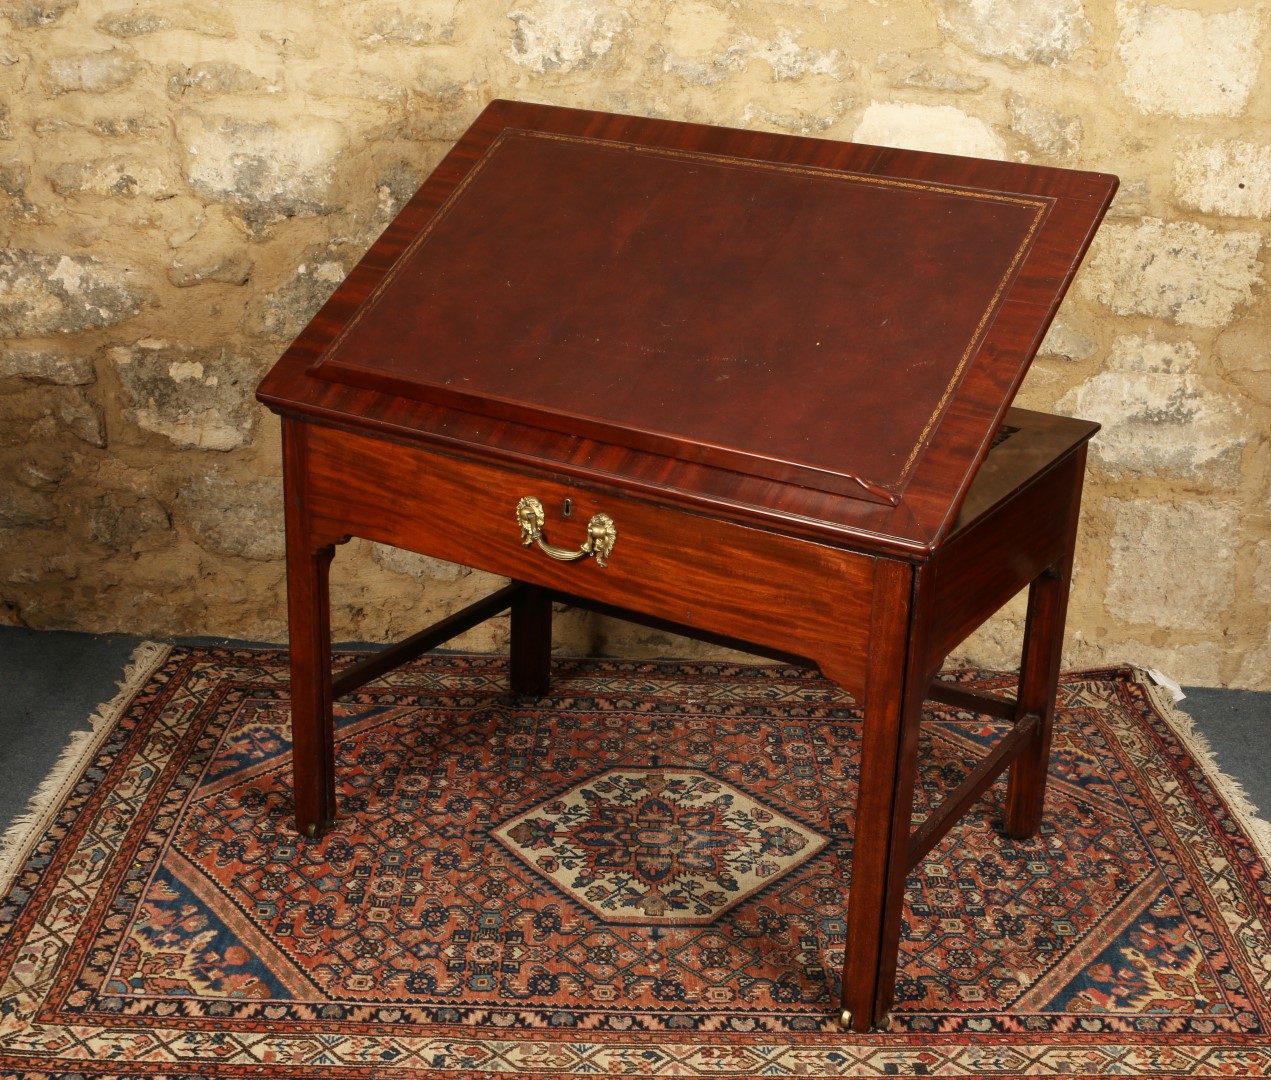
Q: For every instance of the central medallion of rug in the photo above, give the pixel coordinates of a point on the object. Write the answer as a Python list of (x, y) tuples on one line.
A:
[(658, 845)]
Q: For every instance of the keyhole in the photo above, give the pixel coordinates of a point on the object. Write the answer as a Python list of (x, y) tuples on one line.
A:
[(567, 508)]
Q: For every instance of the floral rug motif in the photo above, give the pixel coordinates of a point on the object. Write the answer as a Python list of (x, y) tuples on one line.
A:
[(645, 873), (656, 845)]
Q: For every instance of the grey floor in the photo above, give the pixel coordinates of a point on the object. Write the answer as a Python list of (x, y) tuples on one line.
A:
[(53, 681)]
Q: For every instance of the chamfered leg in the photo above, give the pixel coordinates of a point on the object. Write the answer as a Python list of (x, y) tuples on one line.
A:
[(1038, 683), (309, 634), (893, 710), (1039, 673)]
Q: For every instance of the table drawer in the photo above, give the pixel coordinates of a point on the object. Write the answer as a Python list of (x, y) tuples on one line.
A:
[(718, 576)]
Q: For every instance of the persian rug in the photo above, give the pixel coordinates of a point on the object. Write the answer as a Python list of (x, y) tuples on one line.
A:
[(643, 874)]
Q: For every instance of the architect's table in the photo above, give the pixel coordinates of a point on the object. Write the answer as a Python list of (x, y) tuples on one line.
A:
[(751, 387)]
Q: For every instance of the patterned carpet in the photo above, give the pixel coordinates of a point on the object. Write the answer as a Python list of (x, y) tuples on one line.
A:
[(643, 874)]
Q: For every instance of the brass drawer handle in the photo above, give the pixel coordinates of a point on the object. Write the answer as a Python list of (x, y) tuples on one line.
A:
[(601, 533)]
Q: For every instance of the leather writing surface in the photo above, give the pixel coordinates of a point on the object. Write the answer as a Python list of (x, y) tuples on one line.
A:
[(347, 366), (794, 323)]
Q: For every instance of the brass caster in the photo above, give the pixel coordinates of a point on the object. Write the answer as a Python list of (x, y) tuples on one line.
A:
[(311, 830), (845, 1019)]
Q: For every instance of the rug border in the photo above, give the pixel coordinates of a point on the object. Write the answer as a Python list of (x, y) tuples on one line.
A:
[(1249, 816), (444, 1056), (27, 828)]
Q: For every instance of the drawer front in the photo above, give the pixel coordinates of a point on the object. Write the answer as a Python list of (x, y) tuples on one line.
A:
[(724, 578)]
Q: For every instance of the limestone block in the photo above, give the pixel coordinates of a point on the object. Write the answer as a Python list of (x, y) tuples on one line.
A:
[(797, 123), (1172, 566), (110, 176), (419, 567), (46, 567), (932, 73), (995, 644), (45, 294), (82, 417), (33, 14), (395, 188), (38, 466), (1183, 63), (1244, 356), (1046, 130), (124, 520), (423, 22), (706, 49), (44, 366), (562, 36), (1262, 578), (29, 414), (1157, 415), (22, 507), (698, 42), (36, 555), (134, 23), (1176, 270), (1192, 663), (215, 78), (283, 313), (92, 73), (49, 125), (225, 267), (1064, 340), (789, 60), (126, 126), (298, 39), (209, 249), (197, 398), (264, 171), (446, 93), (14, 177), (1255, 667), (235, 517), (369, 605), (1028, 31), (141, 22), (938, 128), (1229, 177), (391, 92), (43, 468)]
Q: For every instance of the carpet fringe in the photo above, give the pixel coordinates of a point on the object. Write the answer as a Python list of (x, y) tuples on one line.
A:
[(30, 825), (1242, 808)]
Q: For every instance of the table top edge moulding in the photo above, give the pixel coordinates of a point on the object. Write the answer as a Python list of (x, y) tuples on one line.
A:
[(536, 202)]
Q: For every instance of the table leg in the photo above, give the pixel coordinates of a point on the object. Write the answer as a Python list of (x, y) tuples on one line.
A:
[(1039, 675), (312, 735), (309, 635), (1038, 683), (530, 659), (884, 804)]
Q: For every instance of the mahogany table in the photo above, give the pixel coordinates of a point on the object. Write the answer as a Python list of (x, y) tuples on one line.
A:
[(751, 387)]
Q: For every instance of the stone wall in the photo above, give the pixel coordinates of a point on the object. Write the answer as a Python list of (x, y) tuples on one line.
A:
[(182, 183)]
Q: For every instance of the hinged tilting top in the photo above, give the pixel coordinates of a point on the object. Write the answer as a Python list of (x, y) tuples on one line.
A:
[(825, 331)]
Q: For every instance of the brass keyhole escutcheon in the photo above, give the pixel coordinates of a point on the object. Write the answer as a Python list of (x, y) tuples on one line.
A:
[(602, 534)]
